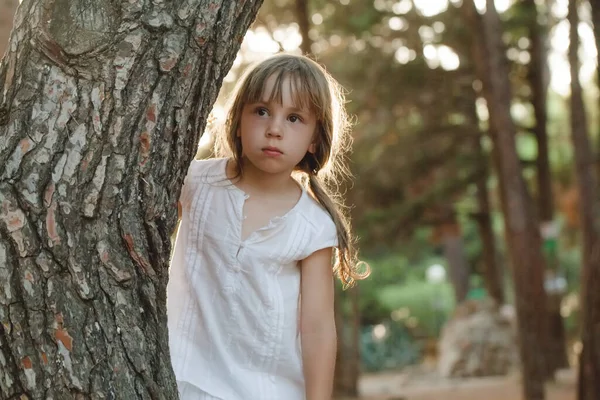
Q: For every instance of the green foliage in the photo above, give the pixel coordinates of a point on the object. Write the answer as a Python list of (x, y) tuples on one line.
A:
[(421, 305), (395, 348)]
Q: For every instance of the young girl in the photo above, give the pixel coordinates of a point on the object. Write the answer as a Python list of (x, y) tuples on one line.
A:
[(250, 295)]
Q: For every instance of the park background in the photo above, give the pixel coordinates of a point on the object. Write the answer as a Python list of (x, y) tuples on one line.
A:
[(471, 143)]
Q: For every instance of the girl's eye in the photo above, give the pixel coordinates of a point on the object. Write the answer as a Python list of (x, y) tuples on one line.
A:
[(261, 111), (294, 118)]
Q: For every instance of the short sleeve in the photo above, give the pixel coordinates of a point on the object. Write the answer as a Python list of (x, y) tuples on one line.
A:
[(191, 181), (325, 236)]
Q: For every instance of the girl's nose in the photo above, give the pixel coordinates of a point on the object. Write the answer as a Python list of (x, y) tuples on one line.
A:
[(274, 128)]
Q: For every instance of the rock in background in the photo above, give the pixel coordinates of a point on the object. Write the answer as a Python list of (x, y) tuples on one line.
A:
[(479, 340)]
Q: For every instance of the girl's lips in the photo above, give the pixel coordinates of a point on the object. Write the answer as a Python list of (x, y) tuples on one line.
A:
[(272, 151)]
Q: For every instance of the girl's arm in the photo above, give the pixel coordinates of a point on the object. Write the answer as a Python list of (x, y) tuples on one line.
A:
[(317, 324)]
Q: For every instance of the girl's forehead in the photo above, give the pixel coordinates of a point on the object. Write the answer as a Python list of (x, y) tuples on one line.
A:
[(284, 88)]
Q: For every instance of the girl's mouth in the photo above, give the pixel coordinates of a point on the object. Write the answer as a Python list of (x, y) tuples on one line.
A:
[(272, 151)]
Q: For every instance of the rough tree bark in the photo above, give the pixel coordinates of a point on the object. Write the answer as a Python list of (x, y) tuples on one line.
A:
[(589, 208), (102, 104), (7, 12), (538, 80), (521, 228)]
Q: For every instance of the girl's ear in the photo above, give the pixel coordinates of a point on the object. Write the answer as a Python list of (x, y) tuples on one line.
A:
[(312, 148)]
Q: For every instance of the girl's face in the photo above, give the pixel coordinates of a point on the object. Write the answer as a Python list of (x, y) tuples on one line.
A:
[(276, 136)]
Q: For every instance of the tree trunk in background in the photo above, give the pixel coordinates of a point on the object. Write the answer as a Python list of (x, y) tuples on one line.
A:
[(524, 244), (595, 4), (303, 18), (101, 109), (347, 367), (538, 80), (454, 252), (589, 368), (492, 272), (7, 12)]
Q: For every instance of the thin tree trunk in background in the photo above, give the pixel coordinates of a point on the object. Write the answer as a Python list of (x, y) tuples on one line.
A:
[(538, 80), (524, 244), (303, 19), (7, 13), (454, 252), (102, 104), (595, 4), (347, 367), (589, 364), (348, 361), (492, 272)]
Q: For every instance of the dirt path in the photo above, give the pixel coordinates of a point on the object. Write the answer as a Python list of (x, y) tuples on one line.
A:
[(427, 386)]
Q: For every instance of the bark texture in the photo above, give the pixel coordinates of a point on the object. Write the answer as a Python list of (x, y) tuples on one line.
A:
[(102, 104), (521, 227), (7, 12), (589, 362), (538, 80)]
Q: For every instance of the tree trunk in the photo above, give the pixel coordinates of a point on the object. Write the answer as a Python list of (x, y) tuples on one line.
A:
[(589, 372), (595, 4), (101, 109), (347, 367), (7, 13), (454, 252), (492, 273), (303, 18), (521, 228), (538, 80)]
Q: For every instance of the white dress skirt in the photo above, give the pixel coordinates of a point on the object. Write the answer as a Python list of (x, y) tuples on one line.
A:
[(187, 391)]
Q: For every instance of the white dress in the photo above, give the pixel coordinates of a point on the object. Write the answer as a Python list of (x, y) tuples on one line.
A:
[(232, 305)]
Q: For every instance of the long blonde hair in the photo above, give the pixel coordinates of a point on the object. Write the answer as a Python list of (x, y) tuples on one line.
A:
[(321, 171)]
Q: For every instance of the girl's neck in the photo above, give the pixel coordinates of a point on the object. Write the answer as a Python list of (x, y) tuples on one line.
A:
[(254, 180)]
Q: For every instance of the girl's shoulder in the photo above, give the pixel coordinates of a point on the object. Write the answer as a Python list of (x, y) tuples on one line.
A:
[(200, 173), (317, 216), (206, 167), (322, 229), (314, 212)]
